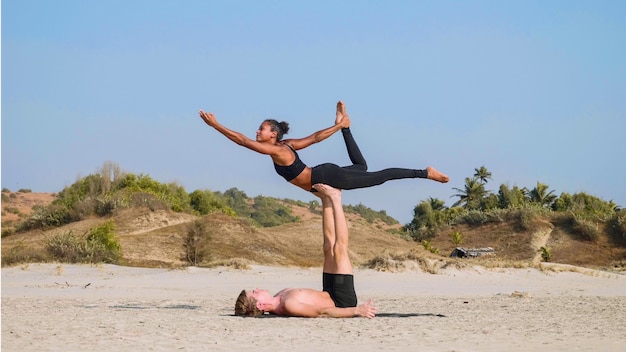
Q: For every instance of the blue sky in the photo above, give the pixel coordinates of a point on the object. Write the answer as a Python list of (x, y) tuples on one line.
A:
[(533, 90)]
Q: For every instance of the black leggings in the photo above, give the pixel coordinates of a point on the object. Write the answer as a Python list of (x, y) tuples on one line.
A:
[(356, 175)]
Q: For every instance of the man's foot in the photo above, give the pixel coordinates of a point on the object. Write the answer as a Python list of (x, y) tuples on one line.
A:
[(327, 190), (435, 175), (342, 116)]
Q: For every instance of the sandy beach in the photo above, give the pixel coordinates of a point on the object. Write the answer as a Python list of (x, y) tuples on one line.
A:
[(60, 307)]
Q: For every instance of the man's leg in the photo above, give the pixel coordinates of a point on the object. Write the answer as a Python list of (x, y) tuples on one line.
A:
[(336, 258), (328, 227)]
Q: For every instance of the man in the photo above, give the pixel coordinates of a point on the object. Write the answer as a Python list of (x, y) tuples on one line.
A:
[(338, 298)]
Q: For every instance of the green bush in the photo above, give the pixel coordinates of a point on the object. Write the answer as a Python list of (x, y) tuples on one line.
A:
[(171, 194), (545, 254), (369, 214), (421, 233), (103, 244), (429, 217), (457, 238), (525, 218), (582, 203), (53, 215), (475, 218), (206, 202), (12, 210), (429, 247), (238, 201), (100, 245), (66, 247), (617, 227), (424, 217), (268, 212), (102, 194)]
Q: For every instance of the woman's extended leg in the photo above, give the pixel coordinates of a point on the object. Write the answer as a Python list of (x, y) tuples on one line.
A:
[(345, 178), (356, 176)]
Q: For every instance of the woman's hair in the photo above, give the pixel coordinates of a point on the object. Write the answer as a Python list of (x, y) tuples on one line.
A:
[(281, 128), (246, 306)]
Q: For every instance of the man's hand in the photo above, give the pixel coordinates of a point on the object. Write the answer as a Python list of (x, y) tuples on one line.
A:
[(209, 118), (366, 310)]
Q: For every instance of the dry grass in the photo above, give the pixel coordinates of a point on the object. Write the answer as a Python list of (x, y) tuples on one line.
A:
[(23, 202), (415, 259)]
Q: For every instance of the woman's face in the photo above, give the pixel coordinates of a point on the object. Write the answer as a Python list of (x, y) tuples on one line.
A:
[(264, 133)]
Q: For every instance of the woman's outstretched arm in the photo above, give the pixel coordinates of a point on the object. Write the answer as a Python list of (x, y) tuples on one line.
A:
[(237, 137), (301, 143)]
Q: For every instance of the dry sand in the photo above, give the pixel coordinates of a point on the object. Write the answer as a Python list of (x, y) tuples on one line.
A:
[(51, 307)]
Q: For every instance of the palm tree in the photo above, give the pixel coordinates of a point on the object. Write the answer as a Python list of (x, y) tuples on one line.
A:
[(541, 196), (482, 174), (471, 194), (436, 204)]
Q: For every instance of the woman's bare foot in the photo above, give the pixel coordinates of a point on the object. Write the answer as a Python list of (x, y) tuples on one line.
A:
[(327, 190), (340, 112), (435, 175), (342, 116)]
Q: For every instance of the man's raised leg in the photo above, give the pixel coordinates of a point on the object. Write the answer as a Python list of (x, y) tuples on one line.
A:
[(328, 229), (336, 257)]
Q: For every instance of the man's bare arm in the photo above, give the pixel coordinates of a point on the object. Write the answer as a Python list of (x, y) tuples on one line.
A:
[(298, 309), (366, 310)]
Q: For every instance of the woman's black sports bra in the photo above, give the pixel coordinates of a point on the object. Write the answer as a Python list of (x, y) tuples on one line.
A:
[(292, 171)]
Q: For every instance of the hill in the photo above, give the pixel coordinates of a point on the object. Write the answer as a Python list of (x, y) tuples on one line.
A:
[(154, 238)]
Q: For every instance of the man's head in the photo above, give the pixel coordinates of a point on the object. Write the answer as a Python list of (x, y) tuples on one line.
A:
[(246, 305)]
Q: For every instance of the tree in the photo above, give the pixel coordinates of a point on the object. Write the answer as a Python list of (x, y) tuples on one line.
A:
[(541, 196), (238, 201), (471, 195), (482, 174), (511, 198), (436, 204), (424, 221), (111, 174), (205, 202)]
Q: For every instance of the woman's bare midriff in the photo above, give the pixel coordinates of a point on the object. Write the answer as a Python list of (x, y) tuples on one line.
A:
[(303, 180)]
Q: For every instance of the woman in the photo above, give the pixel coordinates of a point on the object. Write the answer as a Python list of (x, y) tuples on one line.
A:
[(288, 164)]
